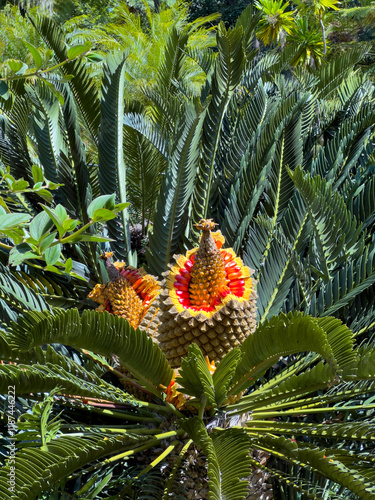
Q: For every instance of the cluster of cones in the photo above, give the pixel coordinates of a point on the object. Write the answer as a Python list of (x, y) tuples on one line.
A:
[(208, 297)]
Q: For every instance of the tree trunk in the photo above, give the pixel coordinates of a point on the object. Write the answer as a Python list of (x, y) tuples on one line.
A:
[(324, 34)]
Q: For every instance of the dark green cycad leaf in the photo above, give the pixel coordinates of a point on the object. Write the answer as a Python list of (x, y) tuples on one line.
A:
[(145, 153), (345, 285), (224, 373), (228, 459), (82, 86), (102, 333), (194, 376), (259, 163), (112, 173), (333, 74), (17, 296), (176, 190), (352, 471), (337, 234), (38, 469), (46, 125), (287, 334), (229, 66), (13, 141)]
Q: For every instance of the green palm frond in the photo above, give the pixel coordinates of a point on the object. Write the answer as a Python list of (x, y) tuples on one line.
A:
[(227, 457), (229, 66), (17, 296), (345, 284), (13, 144), (337, 233), (38, 469), (336, 465), (46, 116), (176, 190), (112, 173), (112, 335), (257, 163), (31, 379), (284, 334), (82, 86)]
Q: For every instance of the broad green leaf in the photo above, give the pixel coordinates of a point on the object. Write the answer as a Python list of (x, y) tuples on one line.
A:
[(46, 195), (40, 225), (60, 211), (20, 253), (15, 65), (20, 185), (68, 265), (66, 78), (55, 218), (52, 254), (53, 269), (35, 53), (103, 215), (8, 221), (70, 224), (76, 51), (47, 241), (37, 174), (95, 58), (105, 201)]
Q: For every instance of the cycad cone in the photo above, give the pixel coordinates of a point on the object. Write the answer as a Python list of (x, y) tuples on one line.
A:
[(209, 299), (130, 293)]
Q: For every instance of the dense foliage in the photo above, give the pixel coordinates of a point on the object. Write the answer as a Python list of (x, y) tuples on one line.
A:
[(280, 154)]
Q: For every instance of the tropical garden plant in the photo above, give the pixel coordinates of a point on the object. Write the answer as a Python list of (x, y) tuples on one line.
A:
[(113, 402)]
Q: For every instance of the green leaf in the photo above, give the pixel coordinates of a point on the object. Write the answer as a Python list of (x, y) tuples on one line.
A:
[(95, 58), (35, 53), (47, 241), (60, 211), (40, 225), (15, 65), (290, 334), (52, 254), (66, 78), (105, 201), (4, 90), (103, 215), (53, 269), (136, 351), (120, 207), (70, 224), (20, 185), (8, 221), (194, 376), (232, 452), (77, 50), (68, 265), (20, 253), (46, 195), (111, 170), (55, 218), (37, 174)]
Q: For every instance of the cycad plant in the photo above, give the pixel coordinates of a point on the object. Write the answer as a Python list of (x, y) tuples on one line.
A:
[(121, 397)]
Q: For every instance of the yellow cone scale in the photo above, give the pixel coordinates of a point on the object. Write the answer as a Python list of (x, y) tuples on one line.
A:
[(129, 292)]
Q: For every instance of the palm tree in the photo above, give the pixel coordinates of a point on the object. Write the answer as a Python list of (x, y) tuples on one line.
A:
[(318, 9), (275, 22)]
